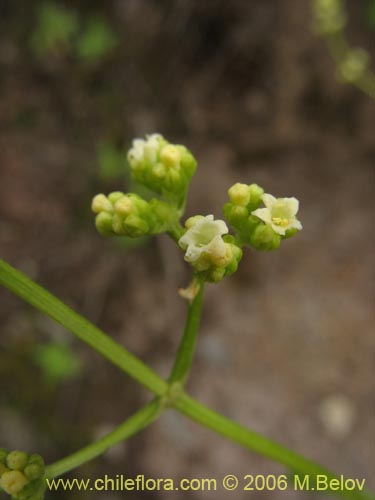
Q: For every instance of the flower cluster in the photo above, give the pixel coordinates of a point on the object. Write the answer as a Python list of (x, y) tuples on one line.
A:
[(211, 254), (21, 475), (209, 248), (130, 215), (261, 228), (163, 167)]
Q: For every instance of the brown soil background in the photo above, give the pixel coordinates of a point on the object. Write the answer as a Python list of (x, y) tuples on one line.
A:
[(250, 89)]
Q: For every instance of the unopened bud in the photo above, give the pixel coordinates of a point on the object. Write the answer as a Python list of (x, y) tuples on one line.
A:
[(103, 223), (16, 460), (101, 203), (13, 482), (264, 238), (124, 206), (170, 156), (239, 194)]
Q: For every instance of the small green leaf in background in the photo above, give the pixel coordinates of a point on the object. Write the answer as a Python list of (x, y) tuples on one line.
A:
[(96, 41), (55, 29), (57, 362)]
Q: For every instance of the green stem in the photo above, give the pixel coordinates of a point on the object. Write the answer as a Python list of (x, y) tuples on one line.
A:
[(141, 419), (258, 443), (42, 300), (175, 231), (45, 302), (186, 349)]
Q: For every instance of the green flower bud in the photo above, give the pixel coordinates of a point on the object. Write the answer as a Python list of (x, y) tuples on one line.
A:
[(103, 223), (32, 491), (289, 233), (236, 215), (163, 167), (239, 194), (256, 193), (34, 471), (170, 156), (13, 482), (135, 226), (116, 195), (243, 200), (264, 238), (236, 255), (101, 203), (28, 492), (16, 460), (35, 468)]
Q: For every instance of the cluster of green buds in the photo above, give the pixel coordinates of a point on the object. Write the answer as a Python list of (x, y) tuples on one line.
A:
[(329, 16), (130, 215), (209, 248), (162, 167), (21, 475), (262, 228)]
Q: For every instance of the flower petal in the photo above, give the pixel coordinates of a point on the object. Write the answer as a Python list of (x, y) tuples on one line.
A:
[(216, 247), (297, 224), (193, 253), (293, 205), (268, 200), (221, 227), (263, 214), (279, 229)]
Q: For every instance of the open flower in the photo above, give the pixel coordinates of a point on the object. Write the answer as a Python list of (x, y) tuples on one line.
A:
[(280, 213), (203, 239)]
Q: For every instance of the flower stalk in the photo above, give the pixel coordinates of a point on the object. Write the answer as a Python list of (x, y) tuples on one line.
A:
[(185, 354)]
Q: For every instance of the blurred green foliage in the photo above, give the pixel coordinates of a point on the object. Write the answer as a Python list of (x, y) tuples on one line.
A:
[(56, 361), (96, 40), (371, 13), (55, 29), (60, 31)]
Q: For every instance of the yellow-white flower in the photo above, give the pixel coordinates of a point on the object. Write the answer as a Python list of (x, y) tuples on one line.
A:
[(203, 238), (279, 213)]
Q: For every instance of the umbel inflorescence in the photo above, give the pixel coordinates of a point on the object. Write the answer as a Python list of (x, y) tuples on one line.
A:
[(259, 220)]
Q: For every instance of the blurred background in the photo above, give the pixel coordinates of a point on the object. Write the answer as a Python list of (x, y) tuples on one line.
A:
[(286, 345)]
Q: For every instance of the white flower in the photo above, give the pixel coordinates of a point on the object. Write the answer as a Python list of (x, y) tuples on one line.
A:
[(280, 213), (204, 238), (144, 149)]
